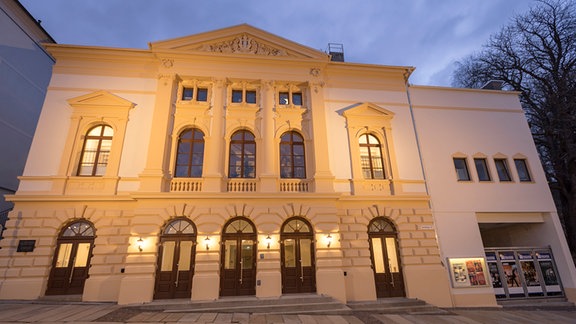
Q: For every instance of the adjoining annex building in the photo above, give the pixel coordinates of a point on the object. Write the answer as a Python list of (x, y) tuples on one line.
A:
[(239, 163)]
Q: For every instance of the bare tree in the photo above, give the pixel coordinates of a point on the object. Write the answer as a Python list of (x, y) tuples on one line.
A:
[(536, 55)]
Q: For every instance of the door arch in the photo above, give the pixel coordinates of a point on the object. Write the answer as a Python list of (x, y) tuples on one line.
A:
[(385, 257), (71, 259), (238, 258), (176, 256), (297, 253)]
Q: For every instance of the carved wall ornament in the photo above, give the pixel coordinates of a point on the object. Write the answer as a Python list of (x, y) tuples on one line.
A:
[(244, 44), (315, 72), (167, 63)]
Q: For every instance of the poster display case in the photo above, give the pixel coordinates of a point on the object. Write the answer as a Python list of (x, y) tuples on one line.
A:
[(468, 272), (523, 272)]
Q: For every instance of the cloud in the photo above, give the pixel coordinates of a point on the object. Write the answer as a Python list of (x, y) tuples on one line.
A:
[(428, 34)]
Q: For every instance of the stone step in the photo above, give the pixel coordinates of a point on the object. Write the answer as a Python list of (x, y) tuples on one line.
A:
[(548, 302), (396, 306), (326, 307), (239, 302)]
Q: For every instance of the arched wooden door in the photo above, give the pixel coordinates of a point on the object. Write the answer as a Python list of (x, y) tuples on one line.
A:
[(72, 259), (176, 254), (238, 258), (297, 253), (385, 258)]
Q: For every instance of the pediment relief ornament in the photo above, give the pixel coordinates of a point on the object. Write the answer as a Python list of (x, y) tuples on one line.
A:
[(243, 44)]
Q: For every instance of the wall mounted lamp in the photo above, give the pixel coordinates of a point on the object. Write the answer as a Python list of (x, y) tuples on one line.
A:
[(140, 244), (268, 241), (329, 239), (207, 241)]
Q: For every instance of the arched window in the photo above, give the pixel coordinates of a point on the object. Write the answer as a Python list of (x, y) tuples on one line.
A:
[(242, 162), (96, 151), (292, 160), (190, 158), (371, 157)]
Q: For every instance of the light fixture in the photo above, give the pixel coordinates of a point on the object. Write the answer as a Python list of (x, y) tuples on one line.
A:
[(268, 241), (207, 241), (329, 239), (140, 244)]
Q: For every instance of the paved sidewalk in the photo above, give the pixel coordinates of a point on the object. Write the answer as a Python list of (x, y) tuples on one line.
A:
[(32, 312)]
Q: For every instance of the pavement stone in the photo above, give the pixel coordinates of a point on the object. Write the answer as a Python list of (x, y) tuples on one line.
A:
[(102, 313)]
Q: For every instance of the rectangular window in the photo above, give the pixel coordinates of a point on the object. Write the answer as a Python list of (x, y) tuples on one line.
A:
[(522, 169), (202, 94), (251, 97), (461, 169), (482, 169), (236, 95), (502, 169), (187, 93), (283, 98), (297, 99)]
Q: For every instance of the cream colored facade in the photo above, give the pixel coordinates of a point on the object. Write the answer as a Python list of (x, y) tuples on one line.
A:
[(233, 81)]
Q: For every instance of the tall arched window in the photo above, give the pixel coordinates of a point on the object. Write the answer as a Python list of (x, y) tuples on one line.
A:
[(292, 159), (96, 151), (371, 157), (190, 158), (242, 162)]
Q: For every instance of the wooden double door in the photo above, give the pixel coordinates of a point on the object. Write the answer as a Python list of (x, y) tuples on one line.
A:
[(176, 256), (238, 258), (71, 259), (297, 253), (385, 257)]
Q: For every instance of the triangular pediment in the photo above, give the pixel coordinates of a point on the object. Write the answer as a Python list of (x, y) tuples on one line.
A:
[(241, 40), (366, 110), (100, 99)]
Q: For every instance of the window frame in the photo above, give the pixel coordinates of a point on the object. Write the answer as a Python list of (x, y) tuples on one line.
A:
[(99, 154), (526, 169), (485, 167), (243, 142), (370, 146), (245, 94), (195, 87), (466, 169), (503, 173), (288, 96), (291, 157), (192, 143)]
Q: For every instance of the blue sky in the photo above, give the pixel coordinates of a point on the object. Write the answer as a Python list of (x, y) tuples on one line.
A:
[(428, 34)]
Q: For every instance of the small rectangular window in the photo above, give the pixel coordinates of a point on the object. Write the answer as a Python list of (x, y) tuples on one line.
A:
[(202, 94), (297, 99), (187, 93), (251, 97), (283, 98), (482, 169), (522, 169), (236, 95), (502, 169), (461, 169)]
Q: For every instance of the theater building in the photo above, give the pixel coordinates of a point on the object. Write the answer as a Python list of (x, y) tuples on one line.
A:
[(238, 163)]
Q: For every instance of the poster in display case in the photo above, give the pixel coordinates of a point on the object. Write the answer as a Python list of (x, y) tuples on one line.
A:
[(468, 272)]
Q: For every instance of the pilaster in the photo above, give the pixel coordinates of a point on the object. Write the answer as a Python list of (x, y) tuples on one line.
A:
[(155, 176), (215, 144), (268, 178), (323, 178)]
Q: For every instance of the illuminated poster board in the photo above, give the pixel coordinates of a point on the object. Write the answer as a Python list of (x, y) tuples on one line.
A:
[(468, 272)]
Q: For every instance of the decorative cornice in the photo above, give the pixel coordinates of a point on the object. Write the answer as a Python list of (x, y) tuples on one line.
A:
[(243, 44)]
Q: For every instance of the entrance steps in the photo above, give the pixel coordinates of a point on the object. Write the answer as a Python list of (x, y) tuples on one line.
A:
[(294, 304), (537, 303), (396, 305)]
